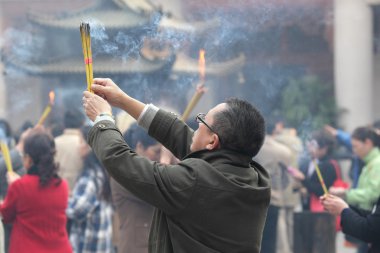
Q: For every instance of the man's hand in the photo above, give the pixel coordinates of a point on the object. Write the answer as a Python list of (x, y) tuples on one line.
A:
[(331, 130), (107, 89), (298, 175), (333, 204), (338, 191), (94, 105)]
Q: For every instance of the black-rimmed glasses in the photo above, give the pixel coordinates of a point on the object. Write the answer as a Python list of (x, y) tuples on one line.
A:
[(200, 118)]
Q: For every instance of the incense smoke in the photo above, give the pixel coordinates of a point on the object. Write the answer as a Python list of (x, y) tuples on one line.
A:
[(256, 29)]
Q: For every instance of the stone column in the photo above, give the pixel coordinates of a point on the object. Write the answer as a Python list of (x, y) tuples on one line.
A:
[(353, 61), (2, 83)]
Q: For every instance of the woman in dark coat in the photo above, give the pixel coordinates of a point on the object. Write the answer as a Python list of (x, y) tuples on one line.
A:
[(320, 147)]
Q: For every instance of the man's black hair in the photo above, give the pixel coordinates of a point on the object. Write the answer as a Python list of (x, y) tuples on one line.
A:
[(73, 118), (324, 140), (240, 126), (363, 133)]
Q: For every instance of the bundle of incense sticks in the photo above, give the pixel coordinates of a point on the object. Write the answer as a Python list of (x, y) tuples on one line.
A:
[(200, 89), (47, 110), (87, 54), (319, 174), (6, 156)]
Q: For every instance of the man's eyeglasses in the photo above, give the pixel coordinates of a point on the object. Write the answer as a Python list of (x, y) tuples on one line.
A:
[(200, 118)]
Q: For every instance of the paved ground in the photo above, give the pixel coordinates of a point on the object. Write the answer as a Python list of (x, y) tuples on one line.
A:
[(340, 248)]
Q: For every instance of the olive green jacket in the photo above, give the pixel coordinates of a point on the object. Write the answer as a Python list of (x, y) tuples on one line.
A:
[(211, 201)]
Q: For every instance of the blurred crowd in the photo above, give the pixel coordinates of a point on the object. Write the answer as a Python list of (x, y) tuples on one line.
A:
[(74, 206), (327, 171)]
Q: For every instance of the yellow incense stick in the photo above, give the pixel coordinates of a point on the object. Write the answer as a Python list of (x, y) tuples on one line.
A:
[(193, 102), (6, 156), (320, 177), (87, 53), (44, 115), (199, 92)]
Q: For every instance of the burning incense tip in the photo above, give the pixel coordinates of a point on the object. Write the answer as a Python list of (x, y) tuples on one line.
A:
[(47, 110), (51, 97), (200, 88), (202, 65)]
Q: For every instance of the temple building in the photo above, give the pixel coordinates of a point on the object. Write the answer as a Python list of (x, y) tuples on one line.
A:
[(253, 48), (152, 53)]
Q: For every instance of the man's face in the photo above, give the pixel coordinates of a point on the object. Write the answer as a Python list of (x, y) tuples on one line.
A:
[(361, 148), (203, 137)]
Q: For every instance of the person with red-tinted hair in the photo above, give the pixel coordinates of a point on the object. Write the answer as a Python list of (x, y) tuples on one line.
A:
[(35, 203)]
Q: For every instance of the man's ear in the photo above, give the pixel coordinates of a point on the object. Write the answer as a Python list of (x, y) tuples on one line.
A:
[(214, 142)]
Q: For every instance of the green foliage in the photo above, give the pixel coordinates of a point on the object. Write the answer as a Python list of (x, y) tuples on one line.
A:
[(308, 104)]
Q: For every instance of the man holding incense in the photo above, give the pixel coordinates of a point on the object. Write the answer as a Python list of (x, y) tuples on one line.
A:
[(215, 199)]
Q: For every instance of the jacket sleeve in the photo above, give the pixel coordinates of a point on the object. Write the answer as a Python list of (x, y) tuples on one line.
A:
[(172, 132), (167, 187), (345, 139), (364, 227), (369, 193), (9, 207)]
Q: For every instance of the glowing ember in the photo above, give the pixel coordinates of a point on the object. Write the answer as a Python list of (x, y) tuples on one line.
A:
[(202, 65), (51, 97)]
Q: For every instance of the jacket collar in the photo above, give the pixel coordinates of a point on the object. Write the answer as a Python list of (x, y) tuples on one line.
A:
[(222, 156), (375, 152)]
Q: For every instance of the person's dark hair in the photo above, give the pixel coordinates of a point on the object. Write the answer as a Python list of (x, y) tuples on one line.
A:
[(6, 127), (376, 124), (136, 134), (40, 147), (91, 162), (26, 125), (324, 139), (240, 126), (363, 133), (55, 125), (73, 118), (270, 124)]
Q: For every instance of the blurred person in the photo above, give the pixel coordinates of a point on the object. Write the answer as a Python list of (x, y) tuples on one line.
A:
[(362, 224), (6, 133), (376, 124), (68, 157), (276, 157), (1, 237), (344, 139), (90, 205), (365, 142), (135, 215), (55, 126), (288, 137), (25, 126), (216, 198), (16, 154), (320, 147), (36, 203)]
